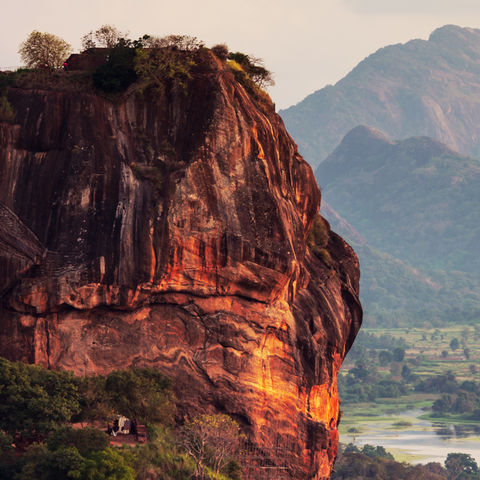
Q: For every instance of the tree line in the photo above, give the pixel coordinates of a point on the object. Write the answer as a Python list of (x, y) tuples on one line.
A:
[(38, 409), (148, 57)]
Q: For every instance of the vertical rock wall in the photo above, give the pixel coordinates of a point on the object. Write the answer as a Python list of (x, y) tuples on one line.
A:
[(170, 229)]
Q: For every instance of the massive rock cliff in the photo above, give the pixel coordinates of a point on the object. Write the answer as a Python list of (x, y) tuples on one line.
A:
[(170, 228)]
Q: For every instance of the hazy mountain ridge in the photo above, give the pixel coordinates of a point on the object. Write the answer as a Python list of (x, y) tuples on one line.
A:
[(424, 87), (414, 203), (414, 199)]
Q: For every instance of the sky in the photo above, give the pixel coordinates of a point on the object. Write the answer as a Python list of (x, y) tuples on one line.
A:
[(307, 44)]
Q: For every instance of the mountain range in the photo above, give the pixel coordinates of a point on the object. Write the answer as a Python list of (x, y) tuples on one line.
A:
[(395, 145), (421, 88), (413, 218)]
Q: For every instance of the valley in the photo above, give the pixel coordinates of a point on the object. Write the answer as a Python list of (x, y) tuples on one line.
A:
[(405, 424)]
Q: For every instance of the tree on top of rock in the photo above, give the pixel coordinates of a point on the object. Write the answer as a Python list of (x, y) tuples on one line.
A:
[(107, 36), (44, 50)]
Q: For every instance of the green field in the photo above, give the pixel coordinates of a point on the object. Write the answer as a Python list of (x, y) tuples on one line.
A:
[(427, 344)]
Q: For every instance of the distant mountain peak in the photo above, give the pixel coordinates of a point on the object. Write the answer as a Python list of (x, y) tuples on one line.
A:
[(419, 88), (368, 148), (428, 146), (363, 133), (446, 32)]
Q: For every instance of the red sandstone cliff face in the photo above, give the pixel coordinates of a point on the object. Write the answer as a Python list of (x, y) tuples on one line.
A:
[(170, 230)]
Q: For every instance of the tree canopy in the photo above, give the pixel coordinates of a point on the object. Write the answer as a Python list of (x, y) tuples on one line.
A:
[(107, 36), (212, 440), (34, 400), (44, 50), (461, 466), (143, 394)]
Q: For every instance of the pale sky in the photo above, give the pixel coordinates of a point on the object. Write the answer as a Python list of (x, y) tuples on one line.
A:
[(306, 43)]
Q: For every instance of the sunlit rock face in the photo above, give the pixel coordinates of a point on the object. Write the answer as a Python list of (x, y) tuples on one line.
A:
[(170, 230)]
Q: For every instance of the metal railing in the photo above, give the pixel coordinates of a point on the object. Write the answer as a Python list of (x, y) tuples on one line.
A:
[(276, 462)]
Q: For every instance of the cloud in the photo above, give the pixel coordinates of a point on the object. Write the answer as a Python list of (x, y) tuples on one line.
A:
[(413, 7)]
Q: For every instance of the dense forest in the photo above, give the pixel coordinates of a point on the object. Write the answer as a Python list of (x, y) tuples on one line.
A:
[(53, 425)]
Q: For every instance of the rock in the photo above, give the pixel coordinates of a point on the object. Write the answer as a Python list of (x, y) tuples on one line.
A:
[(19, 248), (175, 225)]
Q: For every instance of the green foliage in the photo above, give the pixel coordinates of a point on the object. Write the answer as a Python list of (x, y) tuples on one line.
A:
[(253, 69), (66, 462), (94, 399), (57, 80), (33, 401), (385, 357), (407, 374), (249, 84), (220, 51), (461, 402), (85, 440), (7, 113), (84, 454), (454, 344), (39, 463), (369, 451), (364, 383), (165, 68), (184, 43), (107, 36), (366, 340), (143, 394), (162, 456), (353, 465), (7, 457), (118, 72), (317, 239), (461, 466), (109, 464), (444, 383), (398, 354)]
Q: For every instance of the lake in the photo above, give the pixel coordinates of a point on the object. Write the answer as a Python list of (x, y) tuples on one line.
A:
[(422, 441)]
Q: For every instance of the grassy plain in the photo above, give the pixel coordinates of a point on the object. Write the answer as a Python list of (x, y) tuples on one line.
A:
[(425, 347)]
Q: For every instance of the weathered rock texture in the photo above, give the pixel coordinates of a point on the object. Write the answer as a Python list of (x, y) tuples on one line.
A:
[(170, 230)]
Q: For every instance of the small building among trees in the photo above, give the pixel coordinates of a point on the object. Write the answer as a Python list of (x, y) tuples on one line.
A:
[(88, 60)]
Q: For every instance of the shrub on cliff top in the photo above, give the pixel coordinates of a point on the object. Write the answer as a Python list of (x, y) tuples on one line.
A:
[(165, 68), (44, 50), (254, 69), (107, 36), (118, 72), (220, 51)]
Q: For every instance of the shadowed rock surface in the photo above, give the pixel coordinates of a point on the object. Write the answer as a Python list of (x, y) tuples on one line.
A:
[(19, 248), (175, 227)]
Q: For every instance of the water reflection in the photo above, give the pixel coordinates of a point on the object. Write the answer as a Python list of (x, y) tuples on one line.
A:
[(458, 431), (427, 441)]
